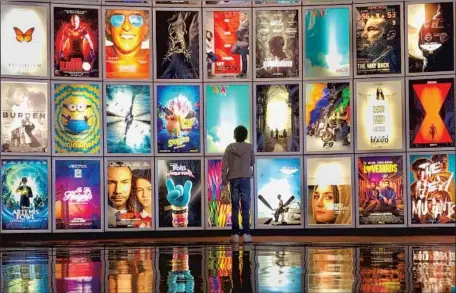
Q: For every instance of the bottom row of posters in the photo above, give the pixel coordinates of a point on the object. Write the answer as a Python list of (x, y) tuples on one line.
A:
[(168, 194)]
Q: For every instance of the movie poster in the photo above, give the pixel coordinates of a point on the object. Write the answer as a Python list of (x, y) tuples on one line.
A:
[(329, 198), (227, 43), (279, 189), (178, 118), (432, 189), (379, 115), (277, 43), (25, 40), (25, 117), (128, 119), (383, 269), (278, 118), (381, 190), (178, 45), (227, 106), (129, 190), (430, 37), (328, 117), (76, 38), (77, 118), (179, 193), (327, 42), (378, 39), (78, 198), (431, 113), (25, 194), (127, 49)]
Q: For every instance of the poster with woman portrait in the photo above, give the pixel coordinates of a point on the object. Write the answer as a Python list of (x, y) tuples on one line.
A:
[(130, 201), (329, 191)]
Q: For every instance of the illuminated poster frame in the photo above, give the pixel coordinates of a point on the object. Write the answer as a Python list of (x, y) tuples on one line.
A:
[(274, 3), (191, 3), (105, 120), (227, 5)]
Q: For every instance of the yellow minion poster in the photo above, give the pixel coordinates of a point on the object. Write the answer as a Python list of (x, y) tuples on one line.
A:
[(77, 118)]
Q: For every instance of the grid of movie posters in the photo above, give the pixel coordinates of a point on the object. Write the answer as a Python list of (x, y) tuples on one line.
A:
[(432, 189)]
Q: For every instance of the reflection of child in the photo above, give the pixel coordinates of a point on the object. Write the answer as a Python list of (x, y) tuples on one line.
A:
[(328, 203)]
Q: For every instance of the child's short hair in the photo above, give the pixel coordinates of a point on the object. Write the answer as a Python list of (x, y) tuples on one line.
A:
[(240, 133)]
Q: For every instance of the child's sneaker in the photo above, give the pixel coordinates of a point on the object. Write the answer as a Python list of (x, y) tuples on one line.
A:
[(247, 238), (234, 238)]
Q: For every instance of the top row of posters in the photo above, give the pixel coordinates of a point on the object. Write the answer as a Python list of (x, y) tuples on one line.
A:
[(120, 43)]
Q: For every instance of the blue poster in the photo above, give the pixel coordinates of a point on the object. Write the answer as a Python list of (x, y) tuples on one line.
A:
[(25, 194), (327, 42), (178, 119)]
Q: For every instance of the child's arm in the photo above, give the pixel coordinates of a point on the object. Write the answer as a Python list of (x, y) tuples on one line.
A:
[(225, 166)]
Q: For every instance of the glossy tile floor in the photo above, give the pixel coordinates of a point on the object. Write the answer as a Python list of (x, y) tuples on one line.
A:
[(215, 269)]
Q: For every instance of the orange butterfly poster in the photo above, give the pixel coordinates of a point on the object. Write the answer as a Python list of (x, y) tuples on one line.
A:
[(25, 40)]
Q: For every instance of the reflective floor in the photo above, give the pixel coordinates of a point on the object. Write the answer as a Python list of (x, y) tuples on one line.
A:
[(216, 269)]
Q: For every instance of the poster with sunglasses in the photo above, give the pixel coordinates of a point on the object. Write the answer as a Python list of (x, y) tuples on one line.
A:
[(177, 44), (76, 41), (127, 44), (129, 191), (77, 118)]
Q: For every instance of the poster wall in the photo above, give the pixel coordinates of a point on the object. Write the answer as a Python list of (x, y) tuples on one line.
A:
[(25, 40), (227, 106), (278, 124), (227, 43), (430, 37), (127, 44), (77, 194), (381, 196), (378, 39), (278, 192), (179, 193), (432, 189), (178, 48), (130, 202), (328, 117), (379, 115), (329, 197), (431, 114), (178, 118), (76, 41), (25, 194), (277, 44), (25, 117), (77, 118), (327, 42), (128, 119)]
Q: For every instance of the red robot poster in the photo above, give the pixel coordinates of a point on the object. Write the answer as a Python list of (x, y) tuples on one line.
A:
[(76, 42)]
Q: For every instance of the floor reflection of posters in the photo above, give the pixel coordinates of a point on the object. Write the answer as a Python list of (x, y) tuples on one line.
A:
[(178, 119), (431, 113), (381, 190), (219, 268), (327, 41), (25, 194), (430, 37), (277, 44), (25, 117), (278, 118), (77, 118), (77, 194), (178, 48), (129, 194), (24, 45), (279, 189), (128, 119), (378, 39), (227, 40), (432, 188), (383, 269), (127, 50), (76, 40), (179, 193), (327, 117), (227, 106), (379, 115), (329, 198)]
